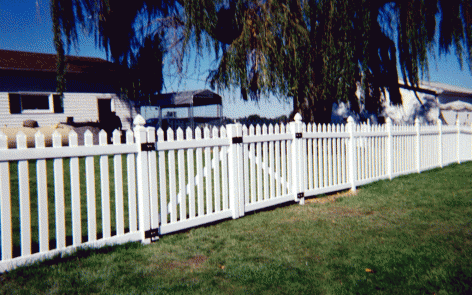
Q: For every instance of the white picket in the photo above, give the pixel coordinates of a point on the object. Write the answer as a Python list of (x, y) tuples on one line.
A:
[(105, 187), (315, 166), (216, 172), (118, 173), (283, 148), (207, 169), (24, 196), (246, 165), (90, 188), (271, 167), (288, 155), (131, 178), (338, 156), (5, 203), (75, 193), (303, 158), (172, 184), (201, 208), (259, 165), (162, 178), (190, 175), (182, 182), (310, 157), (59, 204), (41, 180), (265, 164), (224, 167), (277, 162), (343, 158), (330, 157), (252, 156)]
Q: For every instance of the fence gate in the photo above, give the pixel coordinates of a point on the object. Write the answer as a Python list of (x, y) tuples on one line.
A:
[(191, 181), (267, 167)]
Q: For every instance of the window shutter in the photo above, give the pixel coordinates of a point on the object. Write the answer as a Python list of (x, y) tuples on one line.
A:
[(58, 103), (15, 103)]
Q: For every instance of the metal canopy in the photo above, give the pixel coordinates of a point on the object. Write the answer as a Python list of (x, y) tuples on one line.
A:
[(186, 99)]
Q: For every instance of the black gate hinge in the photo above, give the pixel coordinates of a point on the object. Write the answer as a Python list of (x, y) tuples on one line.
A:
[(152, 233), (147, 147), (300, 195), (298, 135), (238, 139)]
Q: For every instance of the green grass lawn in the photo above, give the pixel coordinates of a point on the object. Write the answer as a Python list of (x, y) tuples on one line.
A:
[(411, 235)]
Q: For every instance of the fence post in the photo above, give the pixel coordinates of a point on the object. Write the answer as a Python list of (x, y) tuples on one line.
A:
[(389, 148), (352, 153), (236, 195), (418, 145), (296, 130), (440, 143), (142, 169), (458, 125), (153, 195)]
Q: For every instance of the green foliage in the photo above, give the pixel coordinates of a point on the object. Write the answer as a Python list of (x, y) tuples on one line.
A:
[(118, 29), (315, 52)]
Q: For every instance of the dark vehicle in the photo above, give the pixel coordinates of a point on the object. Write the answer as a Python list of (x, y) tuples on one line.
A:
[(154, 122)]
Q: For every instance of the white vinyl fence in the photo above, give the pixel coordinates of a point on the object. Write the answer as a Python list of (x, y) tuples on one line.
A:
[(56, 199)]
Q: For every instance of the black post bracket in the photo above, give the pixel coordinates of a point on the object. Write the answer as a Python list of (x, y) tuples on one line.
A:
[(238, 139), (147, 147)]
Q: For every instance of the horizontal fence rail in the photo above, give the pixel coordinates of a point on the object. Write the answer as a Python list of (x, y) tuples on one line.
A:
[(56, 199)]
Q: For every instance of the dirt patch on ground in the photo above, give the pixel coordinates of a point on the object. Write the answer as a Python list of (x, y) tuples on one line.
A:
[(346, 212), (331, 198), (337, 211), (193, 263)]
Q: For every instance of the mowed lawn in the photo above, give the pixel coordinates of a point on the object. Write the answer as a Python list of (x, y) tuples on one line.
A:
[(411, 235)]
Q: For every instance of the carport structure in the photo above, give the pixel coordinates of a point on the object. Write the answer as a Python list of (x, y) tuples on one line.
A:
[(189, 100)]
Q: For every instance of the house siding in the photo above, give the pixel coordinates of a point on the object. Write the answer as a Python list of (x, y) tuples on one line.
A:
[(83, 107), (125, 111)]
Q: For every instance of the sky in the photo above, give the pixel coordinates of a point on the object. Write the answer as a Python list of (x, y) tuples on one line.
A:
[(25, 25)]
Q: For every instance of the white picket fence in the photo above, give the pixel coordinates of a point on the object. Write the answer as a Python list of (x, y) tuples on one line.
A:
[(141, 189)]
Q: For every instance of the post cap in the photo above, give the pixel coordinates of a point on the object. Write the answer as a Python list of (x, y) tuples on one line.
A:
[(139, 121)]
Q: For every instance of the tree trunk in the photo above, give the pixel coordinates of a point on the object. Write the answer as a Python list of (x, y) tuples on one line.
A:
[(320, 112)]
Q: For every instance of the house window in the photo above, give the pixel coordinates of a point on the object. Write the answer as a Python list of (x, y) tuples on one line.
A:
[(28, 103)]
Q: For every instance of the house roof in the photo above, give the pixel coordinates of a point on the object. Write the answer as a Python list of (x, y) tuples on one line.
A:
[(442, 88), (437, 88), (43, 62), (186, 99)]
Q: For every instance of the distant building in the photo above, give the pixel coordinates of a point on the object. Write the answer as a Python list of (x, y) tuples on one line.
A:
[(28, 90), (429, 102), (185, 100), (432, 101)]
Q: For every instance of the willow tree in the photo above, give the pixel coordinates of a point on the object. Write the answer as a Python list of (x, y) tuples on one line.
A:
[(121, 29), (314, 52), (318, 52)]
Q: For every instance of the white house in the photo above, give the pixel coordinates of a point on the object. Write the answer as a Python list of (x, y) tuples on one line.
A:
[(28, 90), (432, 101), (429, 102)]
